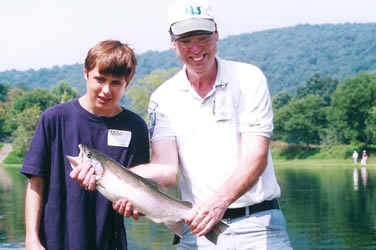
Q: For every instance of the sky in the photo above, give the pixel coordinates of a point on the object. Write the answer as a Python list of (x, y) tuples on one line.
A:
[(45, 33)]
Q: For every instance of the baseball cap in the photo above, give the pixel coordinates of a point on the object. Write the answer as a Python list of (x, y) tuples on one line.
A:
[(190, 15)]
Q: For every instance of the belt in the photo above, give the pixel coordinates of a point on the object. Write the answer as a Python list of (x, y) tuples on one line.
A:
[(232, 213)]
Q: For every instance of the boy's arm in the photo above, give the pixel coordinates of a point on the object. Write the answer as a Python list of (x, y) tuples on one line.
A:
[(33, 211)]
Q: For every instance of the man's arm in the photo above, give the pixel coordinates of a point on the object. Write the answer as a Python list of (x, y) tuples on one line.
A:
[(163, 167), (33, 211), (252, 164)]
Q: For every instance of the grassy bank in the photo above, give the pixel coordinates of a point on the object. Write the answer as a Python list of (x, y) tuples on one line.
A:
[(13, 158), (284, 151)]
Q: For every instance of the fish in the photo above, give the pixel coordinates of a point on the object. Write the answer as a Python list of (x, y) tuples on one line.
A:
[(115, 182)]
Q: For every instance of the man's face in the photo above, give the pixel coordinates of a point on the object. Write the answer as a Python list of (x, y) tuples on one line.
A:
[(103, 92), (197, 52)]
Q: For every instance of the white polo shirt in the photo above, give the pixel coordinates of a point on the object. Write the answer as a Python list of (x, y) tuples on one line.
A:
[(208, 130)]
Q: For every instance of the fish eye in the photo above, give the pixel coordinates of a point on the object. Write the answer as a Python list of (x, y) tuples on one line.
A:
[(89, 155)]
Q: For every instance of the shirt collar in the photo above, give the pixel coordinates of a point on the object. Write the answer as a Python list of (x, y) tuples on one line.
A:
[(221, 78)]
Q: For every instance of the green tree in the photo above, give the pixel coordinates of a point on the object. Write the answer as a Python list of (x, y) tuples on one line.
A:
[(27, 122), (301, 121), (64, 92), (10, 123), (23, 86), (140, 92), (39, 97), (351, 105), (370, 123), (2, 120), (4, 88), (281, 99), (317, 85)]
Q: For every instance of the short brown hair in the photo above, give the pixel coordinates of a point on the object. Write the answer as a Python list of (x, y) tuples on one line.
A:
[(112, 58)]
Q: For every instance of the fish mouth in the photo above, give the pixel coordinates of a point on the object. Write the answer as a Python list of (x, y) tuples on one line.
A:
[(76, 160)]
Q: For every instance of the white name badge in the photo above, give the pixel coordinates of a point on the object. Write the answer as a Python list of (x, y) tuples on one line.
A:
[(223, 106), (118, 138)]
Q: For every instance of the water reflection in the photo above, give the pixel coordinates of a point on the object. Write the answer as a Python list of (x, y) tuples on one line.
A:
[(321, 207), (356, 178), (364, 174), (363, 177), (5, 180), (323, 211), (12, 194)]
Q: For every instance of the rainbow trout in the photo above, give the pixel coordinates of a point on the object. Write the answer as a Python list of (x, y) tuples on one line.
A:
[(115, 182)]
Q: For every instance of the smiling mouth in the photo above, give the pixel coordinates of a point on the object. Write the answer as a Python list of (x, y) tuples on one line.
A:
[(104, 100), (198, 58)]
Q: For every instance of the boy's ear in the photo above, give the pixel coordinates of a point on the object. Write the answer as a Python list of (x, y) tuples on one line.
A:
[(85, 74)]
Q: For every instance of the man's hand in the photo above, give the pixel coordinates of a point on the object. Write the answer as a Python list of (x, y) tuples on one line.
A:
[(204, 215), (124, 208), (84, 174)]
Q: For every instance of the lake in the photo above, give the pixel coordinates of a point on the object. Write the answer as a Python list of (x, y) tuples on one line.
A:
[(330, 206)]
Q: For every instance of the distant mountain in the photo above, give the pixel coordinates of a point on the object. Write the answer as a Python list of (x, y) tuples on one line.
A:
[(288, 56)]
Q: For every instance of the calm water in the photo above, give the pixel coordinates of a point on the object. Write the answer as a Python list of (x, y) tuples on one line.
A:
[(326, 207)]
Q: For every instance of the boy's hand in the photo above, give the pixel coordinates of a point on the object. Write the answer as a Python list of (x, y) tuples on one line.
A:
[(84, 174), (124, 208)]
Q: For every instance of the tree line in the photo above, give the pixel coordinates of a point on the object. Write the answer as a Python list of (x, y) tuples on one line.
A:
[(323, 111), (326, 112), (20, 110), (287, 56)]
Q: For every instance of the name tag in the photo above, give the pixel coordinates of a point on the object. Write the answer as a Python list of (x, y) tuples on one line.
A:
[(118, 138), (223, 106)]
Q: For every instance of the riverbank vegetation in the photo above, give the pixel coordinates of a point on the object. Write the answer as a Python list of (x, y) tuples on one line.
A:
[(326, 115), (325, 119)]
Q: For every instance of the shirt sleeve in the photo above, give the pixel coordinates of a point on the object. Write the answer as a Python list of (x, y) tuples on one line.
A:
[(37, 157), (255, 109), (160, 124), (142, 154)]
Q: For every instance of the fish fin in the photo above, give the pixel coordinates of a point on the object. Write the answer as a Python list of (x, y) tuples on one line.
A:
[(176, 227), (154, 184), (187, 203), (213, 234), (176, 240)]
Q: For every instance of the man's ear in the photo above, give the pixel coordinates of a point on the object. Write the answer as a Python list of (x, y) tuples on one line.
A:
[(216, 34), (173, 43)]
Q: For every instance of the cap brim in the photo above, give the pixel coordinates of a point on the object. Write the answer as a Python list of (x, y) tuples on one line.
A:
[(192, 25)]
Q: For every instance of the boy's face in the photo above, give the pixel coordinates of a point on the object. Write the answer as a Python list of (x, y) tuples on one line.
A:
[(103, 92)]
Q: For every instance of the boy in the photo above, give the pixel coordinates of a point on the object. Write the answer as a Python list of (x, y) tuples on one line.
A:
[(59, 213)]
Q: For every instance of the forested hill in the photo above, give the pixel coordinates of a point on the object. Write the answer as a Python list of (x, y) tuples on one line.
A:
[(288, 56)]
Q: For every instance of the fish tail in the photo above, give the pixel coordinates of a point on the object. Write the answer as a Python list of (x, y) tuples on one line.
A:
[(214, 233)]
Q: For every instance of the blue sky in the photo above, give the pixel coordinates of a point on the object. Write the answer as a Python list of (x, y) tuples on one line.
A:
[(44, 33)]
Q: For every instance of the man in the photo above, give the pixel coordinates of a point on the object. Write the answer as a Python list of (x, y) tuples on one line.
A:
[(59, 213), (363, 161), (213, 120), (355, 157), (219, 115)]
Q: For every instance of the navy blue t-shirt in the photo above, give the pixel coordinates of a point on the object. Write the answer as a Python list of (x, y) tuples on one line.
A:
[(72, 217)]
